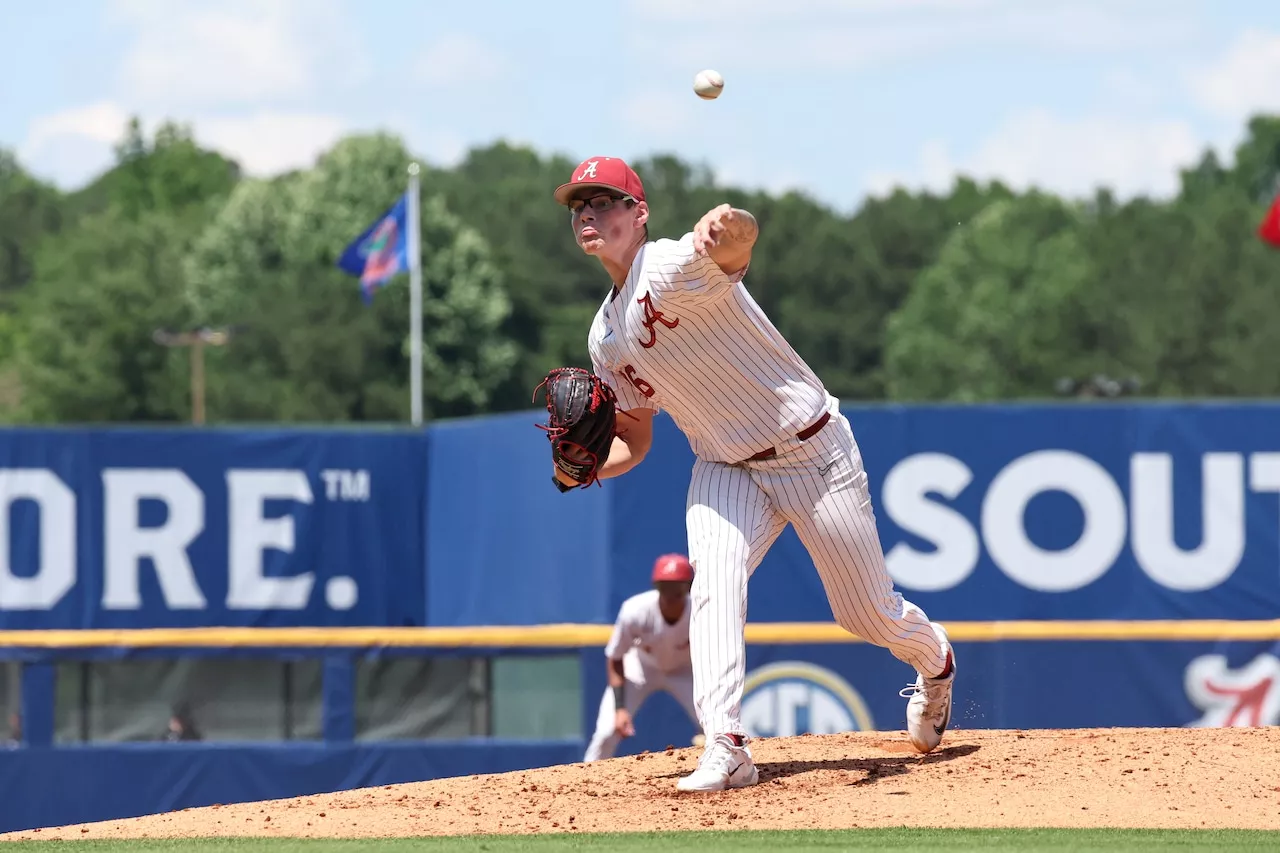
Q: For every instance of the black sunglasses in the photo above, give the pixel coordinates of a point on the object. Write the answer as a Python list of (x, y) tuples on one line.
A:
[(599, 203)]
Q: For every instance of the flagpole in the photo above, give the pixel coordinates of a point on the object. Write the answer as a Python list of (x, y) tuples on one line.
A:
[(415, 299)]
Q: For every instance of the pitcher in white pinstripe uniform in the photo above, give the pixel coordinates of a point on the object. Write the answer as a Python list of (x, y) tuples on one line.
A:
[(680, 333)]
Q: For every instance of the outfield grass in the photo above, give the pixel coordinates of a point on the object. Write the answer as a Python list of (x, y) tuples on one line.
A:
[(906, 840)]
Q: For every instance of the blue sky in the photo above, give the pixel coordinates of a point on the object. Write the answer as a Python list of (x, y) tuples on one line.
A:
[(841, 98)]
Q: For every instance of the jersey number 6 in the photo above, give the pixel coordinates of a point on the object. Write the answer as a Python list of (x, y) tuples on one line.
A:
[(643, 387)]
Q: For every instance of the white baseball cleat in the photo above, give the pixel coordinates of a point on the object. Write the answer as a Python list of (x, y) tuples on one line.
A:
[(929, 711), (724, 764)]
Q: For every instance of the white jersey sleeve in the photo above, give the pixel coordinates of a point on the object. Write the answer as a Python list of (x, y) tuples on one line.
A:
[(678, 274), (641, 627), (624, 633)]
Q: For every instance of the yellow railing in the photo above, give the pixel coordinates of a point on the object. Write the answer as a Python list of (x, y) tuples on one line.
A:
[(577, 635)]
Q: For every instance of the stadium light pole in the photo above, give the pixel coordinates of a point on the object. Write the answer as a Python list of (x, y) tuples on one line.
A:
[(197, 340)]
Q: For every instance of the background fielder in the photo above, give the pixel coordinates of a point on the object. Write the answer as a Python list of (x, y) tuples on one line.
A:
[(679, 332), (648, 651)]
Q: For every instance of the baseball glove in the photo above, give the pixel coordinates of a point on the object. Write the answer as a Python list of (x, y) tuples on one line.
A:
[(581, 422)]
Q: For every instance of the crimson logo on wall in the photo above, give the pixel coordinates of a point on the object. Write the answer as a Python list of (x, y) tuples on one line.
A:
[(1249, 696)]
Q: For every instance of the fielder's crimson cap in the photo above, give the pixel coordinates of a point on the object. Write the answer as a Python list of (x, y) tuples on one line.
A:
[(672, 567), (606, 173)]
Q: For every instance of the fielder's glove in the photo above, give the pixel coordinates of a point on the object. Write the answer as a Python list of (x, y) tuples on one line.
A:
[(581, 423)]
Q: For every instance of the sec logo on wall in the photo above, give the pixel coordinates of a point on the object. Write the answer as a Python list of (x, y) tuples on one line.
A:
[(794, 698)]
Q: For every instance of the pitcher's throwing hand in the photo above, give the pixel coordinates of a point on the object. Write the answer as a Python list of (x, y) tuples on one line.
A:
[(713, 225)]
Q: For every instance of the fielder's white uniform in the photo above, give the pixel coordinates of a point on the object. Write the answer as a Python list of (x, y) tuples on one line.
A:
[(681, 336), (654, 655)]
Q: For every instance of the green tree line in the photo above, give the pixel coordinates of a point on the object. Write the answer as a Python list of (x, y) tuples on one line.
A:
[(981, 293)]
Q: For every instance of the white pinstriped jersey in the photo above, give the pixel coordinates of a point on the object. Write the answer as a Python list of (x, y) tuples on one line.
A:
[(641, 625), (682, 337)]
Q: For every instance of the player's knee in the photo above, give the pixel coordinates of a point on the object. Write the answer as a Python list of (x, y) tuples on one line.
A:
[(854, 623), (875, 622)]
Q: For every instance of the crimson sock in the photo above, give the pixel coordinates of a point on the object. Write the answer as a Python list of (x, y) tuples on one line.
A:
[(738, 740), (947, 670)]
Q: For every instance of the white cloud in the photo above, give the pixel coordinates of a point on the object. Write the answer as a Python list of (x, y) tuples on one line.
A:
[(217, 52), (74, 144), (102, 122), (1244, 80), (934, 170), (458, 58), (826, 34), (70, 147), (239, 72), (1069, 157), (440, 148), (1129, 87), (759, 11), (748, 173), (267, 143)]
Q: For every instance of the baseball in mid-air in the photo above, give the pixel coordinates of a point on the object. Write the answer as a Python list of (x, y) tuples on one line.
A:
[(708, 84)]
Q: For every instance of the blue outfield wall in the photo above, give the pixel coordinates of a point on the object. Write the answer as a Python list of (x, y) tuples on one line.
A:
[(826, 688), (59, 786), (1164, 515), (791, 689), (1026, 512), (1069, 511), (985, 513), (503, 547), (143, 528)]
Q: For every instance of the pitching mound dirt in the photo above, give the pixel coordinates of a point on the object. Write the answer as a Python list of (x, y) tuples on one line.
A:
[(1177, 778)]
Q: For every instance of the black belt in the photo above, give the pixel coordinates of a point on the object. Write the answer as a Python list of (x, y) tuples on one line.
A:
[(804, 435)]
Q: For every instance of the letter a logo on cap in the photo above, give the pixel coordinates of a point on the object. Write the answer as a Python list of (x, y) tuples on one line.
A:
[(589, 172)]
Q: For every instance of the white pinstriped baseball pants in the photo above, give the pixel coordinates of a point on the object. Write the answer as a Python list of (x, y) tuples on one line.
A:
[(736, 512)]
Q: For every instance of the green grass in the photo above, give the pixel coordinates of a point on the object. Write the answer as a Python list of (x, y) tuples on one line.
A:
[(912, 840)]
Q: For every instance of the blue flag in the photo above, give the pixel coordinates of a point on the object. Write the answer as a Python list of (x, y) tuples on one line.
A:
[(381, 251)]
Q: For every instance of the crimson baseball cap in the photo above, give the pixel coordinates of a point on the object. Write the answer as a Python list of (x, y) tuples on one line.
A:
[(672, 567), (606, 173)]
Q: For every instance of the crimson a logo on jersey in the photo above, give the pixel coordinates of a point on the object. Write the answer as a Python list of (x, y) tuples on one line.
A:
[(651, 318), (1245, 697)]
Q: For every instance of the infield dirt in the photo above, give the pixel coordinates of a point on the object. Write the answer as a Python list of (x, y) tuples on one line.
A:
[(1137, 778)]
